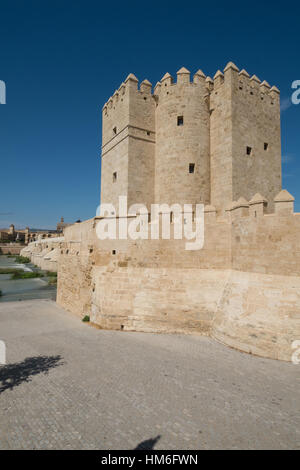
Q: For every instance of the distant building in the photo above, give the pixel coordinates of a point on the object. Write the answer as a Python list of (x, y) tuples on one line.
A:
[(8, 235), (27, 235), (61, 225)]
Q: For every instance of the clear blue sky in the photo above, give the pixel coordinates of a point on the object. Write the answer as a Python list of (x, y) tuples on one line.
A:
[(61, 60)]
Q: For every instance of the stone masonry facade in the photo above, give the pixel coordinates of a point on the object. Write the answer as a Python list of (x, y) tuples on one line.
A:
[(200, 141), (215, 142)]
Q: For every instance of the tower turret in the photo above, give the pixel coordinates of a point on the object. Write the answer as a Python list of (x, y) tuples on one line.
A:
[(182, 140), (128, 144)]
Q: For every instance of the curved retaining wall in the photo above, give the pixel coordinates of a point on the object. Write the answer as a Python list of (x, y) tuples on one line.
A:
[(242, 288), (255, 313), (44, 253)]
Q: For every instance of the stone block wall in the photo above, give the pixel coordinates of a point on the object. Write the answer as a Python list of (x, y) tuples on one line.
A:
[(209, 141), (242, 288)]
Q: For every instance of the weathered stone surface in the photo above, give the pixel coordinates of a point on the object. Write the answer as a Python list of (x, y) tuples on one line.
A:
[(241, 288), (44, 253)]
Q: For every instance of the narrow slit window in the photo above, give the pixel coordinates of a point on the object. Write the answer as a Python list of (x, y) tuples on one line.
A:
[(113, 252), (179, 120), (192, 168), (249, 150), (115, 177), (115, 130), (266, 146)]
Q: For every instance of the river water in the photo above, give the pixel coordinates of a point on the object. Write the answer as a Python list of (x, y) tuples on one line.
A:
[(23, 289)]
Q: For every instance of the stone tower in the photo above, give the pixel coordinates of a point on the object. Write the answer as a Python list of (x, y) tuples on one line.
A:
[(128, 144), (209, 141), (182, 167), (245, 141)]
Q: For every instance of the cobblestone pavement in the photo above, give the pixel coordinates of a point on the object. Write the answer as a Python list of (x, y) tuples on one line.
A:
[(68, 385)]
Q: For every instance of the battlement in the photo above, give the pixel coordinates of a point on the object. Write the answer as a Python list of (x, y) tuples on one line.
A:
[(183, 79), (241, 80), (242, 84), (209, 140), (131, 83), (257, 206)]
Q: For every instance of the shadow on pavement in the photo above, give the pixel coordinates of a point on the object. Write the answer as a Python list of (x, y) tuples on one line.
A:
[(147, 445), (13, 375)]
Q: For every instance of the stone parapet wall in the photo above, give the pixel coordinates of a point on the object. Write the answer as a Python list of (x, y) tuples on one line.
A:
[(44, 253), (11, 249), (269, 244), (242, 288)]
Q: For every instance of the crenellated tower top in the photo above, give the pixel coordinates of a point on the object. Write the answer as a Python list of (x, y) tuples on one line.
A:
[(183, 78), (224, 131)]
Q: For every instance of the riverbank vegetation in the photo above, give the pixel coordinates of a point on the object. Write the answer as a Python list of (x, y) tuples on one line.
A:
[(10, 270), (20, 274), (52, 278), (20, 259), (26, 275)]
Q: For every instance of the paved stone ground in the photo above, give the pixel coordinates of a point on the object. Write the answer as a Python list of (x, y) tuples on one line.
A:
[(68, 385)]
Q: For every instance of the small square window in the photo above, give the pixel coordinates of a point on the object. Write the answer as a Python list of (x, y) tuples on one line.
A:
[(115, 130), (249, 150), (179, 120), (192, 168), (115, 176), (266, 146)]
